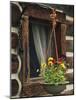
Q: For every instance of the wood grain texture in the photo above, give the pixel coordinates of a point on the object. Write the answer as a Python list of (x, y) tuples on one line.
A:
[(14, 87), (25, 42), (69, 46), (37, 90), (14, 40), (36, 11), (70, 60), (14, 63), (58, 38), (63, 40), (15, 15)]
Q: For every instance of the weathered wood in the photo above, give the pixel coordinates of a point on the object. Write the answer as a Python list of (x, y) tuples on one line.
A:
[(70, 75), (14, 41), (15, 57), (37, 90), (25, 38), (63, 41), (14, 87), (36, 11), (69, 46), (70, 60), (34, 89), (58, 38), (14, 63), (15, 15)]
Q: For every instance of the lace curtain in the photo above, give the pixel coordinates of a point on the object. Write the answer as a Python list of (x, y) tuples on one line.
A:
[(41, 38)]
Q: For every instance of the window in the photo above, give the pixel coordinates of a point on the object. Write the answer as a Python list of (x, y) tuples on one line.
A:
[(39, 37)]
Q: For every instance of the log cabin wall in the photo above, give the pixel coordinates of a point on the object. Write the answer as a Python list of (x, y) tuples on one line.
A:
[(70, 42), (36, 12), (70, 48), (20, 77), (16, 61), (39, 13)]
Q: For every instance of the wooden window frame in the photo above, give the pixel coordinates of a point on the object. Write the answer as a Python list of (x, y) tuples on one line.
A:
[(25, 41)]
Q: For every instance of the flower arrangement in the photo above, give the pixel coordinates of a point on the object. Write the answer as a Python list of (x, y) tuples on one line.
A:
[(54, 71)]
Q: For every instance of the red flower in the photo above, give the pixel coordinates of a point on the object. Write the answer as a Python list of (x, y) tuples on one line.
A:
[(54, 61), (60, 59)]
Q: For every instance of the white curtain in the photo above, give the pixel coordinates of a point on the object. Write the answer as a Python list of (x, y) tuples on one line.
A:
[(39, 37)]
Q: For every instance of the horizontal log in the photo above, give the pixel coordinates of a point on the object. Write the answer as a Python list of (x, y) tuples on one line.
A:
[(70, 75), (39, 12), (14, 40), (15, 15), (70, 61), (14, 63), (50, 7), (14, 87), (18, 82), (69, 46)]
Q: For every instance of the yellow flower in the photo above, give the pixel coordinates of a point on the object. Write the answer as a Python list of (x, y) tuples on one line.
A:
[(62, 65), (50, 58), (50, 63), (43, 65)]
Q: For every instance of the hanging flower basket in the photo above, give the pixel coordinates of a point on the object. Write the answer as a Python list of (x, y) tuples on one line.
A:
[(54, 89), (54, 75)]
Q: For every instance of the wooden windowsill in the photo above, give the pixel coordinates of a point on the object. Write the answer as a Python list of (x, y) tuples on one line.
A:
[(36, 78)]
